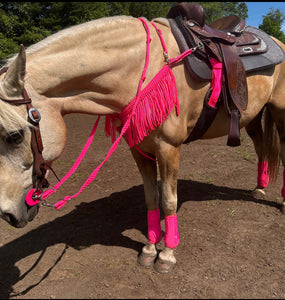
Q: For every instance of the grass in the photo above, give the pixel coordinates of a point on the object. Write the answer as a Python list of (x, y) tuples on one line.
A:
[(231, 211), (201, 178), (242, 151)]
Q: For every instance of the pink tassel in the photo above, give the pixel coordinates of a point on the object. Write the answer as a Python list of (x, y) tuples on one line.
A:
[(110, 129)]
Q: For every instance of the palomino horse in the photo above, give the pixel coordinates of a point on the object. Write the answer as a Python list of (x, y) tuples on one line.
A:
[(98, 68)]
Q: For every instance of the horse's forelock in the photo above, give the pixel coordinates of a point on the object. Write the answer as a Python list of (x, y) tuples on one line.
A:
[(11, 119)]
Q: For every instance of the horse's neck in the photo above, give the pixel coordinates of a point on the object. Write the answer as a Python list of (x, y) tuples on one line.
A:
[(96, 63)]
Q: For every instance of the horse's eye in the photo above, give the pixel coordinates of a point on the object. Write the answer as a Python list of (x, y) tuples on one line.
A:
[(15, 137)]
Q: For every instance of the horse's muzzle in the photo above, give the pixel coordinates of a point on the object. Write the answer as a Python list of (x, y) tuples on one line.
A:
[(20, 223)]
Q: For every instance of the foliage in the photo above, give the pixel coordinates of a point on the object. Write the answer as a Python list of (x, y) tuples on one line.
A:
[(272, 24), (150, 10), (216, 10)]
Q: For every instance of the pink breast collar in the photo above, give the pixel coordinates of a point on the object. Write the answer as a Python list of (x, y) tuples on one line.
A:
[(152, 106)]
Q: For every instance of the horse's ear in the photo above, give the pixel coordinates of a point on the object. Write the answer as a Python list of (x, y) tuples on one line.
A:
[(14, 77)]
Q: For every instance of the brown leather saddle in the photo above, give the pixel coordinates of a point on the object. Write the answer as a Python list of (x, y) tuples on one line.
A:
[(240, 48)]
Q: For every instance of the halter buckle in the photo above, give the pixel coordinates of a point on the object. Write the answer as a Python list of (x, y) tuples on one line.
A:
[(32, 117), (37, 194)]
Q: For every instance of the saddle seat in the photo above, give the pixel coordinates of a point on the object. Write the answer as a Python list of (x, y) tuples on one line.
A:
[(230, 41), (233, 24)]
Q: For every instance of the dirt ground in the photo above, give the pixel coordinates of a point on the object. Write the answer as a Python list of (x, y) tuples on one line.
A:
[(231, 244)]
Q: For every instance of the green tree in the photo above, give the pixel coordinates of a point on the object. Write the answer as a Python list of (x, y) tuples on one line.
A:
[(29, 22), (59, 15), (19, 23), (119, 8), (272, 24), (150, 10), (216, 10)]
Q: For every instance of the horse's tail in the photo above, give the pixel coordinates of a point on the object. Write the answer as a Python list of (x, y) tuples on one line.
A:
[(271, 145)]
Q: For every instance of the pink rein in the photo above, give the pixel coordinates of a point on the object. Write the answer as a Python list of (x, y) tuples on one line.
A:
[(126, 126)]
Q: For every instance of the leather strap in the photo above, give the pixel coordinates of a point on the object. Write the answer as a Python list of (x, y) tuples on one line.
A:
[(234, 134), (211, 33), (205, 120), (40, 166), (234, 113), (235, 76)]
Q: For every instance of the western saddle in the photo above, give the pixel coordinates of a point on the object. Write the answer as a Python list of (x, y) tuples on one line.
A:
[(240, 48)]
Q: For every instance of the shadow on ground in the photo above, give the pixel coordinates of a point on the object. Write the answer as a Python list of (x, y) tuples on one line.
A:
[(100, 222)]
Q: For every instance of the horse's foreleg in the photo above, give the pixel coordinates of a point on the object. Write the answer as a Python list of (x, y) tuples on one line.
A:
[(255, 132), (148, 170), (168, 160)]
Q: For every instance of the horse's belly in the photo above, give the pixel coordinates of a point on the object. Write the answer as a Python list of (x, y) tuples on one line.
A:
[(221, 124)]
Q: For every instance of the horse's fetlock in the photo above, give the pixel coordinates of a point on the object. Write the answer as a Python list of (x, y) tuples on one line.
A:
[(167, 255), (258, 192), (149, 249)]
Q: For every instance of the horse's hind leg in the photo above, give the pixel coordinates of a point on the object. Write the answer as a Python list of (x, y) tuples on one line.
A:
[(148, 170), (274, 142), (255, 132)]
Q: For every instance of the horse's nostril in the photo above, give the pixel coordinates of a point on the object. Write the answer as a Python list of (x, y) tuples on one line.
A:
[(14, 221), (11, 219)]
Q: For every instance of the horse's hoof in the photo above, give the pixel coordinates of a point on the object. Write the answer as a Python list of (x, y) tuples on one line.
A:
[(146, 260), (258, 193), (163, 266)]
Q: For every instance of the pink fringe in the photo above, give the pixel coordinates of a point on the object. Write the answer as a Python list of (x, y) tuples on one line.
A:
[(152, 109)]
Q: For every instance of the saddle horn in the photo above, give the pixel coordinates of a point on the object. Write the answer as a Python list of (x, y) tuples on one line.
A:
[(194, 12)]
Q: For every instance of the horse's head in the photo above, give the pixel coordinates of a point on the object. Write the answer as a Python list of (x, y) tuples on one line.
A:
[(18, 173), (16, 157)]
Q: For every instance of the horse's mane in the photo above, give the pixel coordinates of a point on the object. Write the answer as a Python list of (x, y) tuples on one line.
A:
[(71, 31)]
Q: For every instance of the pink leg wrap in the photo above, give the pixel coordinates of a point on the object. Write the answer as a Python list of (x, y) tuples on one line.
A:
[(262, 177), (171, 238), (283, 188), (154, 228)]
